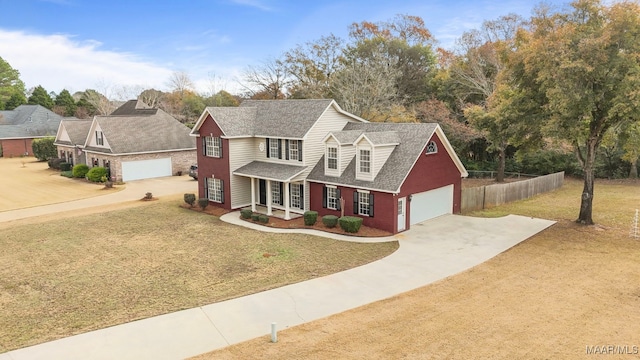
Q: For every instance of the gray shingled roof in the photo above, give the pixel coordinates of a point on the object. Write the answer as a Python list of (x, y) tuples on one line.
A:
[(77, 131), (383, 137), (144, 133), (412, 139), (346, 136), (270, 118), (271, 171), (234, 121), (134, 107), (27, 121)]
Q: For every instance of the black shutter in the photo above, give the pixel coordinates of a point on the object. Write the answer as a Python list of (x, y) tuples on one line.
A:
[(324, 196), (222, 191), (301, 196), (338, 206), (268, 148), (299, 150), (221, 146), (206, 187), (282, 194), (355, 202), (286, 149), (204, 146), (370, 205), (279, 148)]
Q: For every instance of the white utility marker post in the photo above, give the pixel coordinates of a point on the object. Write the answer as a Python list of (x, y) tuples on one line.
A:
[(274, 333)]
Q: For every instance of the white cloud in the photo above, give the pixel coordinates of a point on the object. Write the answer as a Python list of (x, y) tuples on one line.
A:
[(253, 3), (58, 61)]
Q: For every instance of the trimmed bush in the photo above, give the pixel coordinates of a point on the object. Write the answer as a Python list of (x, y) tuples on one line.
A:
[(190, 199), (310, 217), (203, 203), (255, 216), (95, 174), (65, 166), (68, 174), (80, 171), (350, 224), (330, 221), (263, 219), (246, 213), (55, 163), (43, 148)]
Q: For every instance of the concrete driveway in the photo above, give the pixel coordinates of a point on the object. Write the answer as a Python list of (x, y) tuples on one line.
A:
[(428, 252)]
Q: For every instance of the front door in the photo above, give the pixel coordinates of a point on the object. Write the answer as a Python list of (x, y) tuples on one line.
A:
[(401, 214), (263, 191)]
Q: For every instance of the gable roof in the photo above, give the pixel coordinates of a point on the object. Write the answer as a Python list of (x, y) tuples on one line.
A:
[(270, 118), (412, 137), (76, 129), (134, 107), (28, 121), (141, 134)]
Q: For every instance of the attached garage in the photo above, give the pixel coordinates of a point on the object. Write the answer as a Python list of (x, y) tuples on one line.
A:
[(430, 204), (146, 169)]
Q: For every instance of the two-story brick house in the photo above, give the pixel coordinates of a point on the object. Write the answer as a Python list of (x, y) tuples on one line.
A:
[(299, 155)]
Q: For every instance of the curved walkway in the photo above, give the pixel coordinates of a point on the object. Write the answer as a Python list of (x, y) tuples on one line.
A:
[(430, 251)]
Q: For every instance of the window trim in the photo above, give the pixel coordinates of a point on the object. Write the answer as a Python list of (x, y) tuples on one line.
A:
[(215, 190), (292, 153), (334, 198), (362, 162), (99, 138), (329, 158), (213, 146), (300, 195), (432, 148), (275, 145)]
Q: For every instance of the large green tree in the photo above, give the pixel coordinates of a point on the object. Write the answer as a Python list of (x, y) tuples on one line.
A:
[(10, 83), (39, 96), (584, 63), (66, 103)]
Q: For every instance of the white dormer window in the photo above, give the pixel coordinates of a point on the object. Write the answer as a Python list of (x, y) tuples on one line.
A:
[(432, 147), (99, 138), (365, 161), (332, 158)]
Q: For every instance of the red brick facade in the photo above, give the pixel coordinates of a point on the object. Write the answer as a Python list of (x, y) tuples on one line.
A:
[(16, 147), (213, 167)]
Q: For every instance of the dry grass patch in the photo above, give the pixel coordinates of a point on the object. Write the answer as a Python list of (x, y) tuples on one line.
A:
[(63, 277), (550, 297), (26, 182)]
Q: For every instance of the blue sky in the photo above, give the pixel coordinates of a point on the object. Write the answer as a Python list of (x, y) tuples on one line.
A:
[(80, 44)]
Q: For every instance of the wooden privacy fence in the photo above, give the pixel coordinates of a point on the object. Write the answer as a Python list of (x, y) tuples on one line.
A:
[(483, 197)]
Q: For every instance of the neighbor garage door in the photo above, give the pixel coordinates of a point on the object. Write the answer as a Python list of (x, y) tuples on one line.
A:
[(146, 169), (429, 204)]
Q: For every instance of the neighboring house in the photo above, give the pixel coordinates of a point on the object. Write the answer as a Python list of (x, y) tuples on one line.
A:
[(140, 143), (70, 140), (298, 155), (20, 126)]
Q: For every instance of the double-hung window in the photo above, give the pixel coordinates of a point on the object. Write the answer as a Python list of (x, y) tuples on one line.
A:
[(363, 203), (213, 146), (215, 190), (275, 193), (296, 196), (274, 149), (332, 158), (332, 198), (99, 138), (365, 161), (293, 150)]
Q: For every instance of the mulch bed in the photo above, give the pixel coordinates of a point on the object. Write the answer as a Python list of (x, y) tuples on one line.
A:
[(297, 223)]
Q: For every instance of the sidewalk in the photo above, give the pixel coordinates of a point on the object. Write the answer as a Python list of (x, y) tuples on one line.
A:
[(452, 244), (134, 190)]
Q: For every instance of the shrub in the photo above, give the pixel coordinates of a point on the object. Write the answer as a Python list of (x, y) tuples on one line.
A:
[(80, 171), (310, 217), (246, 213), (330, 221), (190, 199), (54, 163), (43, 149), (68, 174), (255, 216), (95, 174), (148, 196), (65, 166), (263, 219), (203, 203), (350, 224)]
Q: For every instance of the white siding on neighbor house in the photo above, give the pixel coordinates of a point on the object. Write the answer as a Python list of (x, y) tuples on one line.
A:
[(241, 152), (347, 153), (379, 155), (63, 135), (313, 147)]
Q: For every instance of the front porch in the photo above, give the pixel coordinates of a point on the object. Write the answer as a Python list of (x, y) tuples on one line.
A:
[(277, 213)]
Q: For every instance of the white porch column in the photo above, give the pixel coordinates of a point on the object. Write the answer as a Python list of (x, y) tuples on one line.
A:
[(253, 194), (269, 200), (287, 215)]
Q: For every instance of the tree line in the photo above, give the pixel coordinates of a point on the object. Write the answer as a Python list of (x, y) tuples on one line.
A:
[(556, 91)]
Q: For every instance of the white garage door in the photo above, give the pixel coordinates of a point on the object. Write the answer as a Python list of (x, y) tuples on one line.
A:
[(429, 204), (146, 169)]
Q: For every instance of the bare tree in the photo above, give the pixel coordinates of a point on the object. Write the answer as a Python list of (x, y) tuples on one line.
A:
[(180, 81), (271, 78)]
